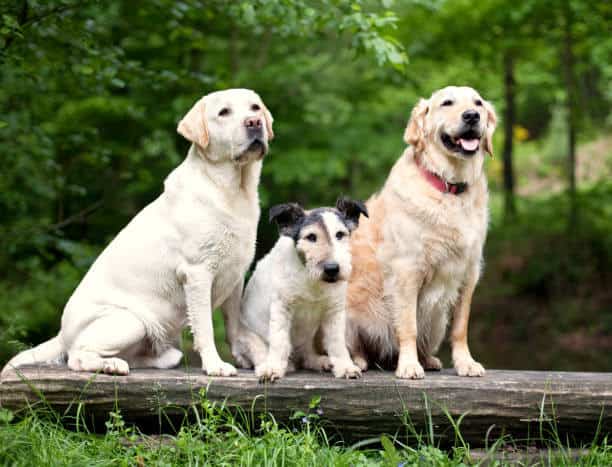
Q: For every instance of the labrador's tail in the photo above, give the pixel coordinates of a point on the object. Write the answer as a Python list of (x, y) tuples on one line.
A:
[(51, 351)]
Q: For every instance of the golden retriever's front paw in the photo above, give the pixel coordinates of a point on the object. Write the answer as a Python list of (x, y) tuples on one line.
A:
[(410, 370), (267, 372), (469, 367), (219, 368), (346, 370)]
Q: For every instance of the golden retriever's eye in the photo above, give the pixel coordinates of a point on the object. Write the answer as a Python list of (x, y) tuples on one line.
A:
[(311, 237), (224, 112), (447, 102), (255, 108), (340, 235), (478, 102)]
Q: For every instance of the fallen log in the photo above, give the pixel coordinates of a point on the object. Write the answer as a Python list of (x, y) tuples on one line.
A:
[(523, 404)]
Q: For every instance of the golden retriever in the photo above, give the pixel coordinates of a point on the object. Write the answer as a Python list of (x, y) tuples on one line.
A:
[(419, 254)]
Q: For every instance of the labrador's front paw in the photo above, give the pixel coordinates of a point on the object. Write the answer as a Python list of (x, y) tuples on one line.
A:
[(469, 367), (346, 370), (267, 372), (115, 366), (411, 369), (219, 368)]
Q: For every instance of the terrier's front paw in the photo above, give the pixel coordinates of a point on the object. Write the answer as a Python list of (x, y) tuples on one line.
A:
[(410, 370), (346, 370), (318, 363), (469, 367), (267, 372), (219, 368), (361, 362)]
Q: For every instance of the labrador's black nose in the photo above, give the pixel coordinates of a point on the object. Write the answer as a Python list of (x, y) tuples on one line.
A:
[(470, 117), (331, 269)]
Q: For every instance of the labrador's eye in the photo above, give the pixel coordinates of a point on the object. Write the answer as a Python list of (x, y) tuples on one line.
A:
[(224, 112), (478, 102), (447, 102), (255, 108), (340, 235), (311, 237)]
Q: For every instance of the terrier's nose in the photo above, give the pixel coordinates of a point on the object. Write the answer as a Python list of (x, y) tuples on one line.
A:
[(252, 122), (470, 117), (331, 269)]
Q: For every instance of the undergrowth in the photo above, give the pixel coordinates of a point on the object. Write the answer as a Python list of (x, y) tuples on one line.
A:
[(216, 435)]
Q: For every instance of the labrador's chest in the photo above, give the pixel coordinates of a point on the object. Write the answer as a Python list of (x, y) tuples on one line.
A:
[(233, 252)]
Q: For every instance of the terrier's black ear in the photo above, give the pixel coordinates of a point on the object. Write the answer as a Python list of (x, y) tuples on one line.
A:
[(288, 217), (351, 210)]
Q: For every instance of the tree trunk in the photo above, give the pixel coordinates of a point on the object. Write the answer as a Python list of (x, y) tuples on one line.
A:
[(570, 85), (509, 120)]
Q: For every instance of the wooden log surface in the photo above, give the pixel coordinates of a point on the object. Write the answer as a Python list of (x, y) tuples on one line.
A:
[(518, 403)]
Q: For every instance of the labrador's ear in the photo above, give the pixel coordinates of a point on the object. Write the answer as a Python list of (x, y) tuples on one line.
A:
[(351, 210), (287, 217), (414, 135), (193, 125), (490, 129), (269, 120)]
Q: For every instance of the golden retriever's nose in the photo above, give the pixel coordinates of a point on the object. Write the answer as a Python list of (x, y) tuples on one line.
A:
[(252, 122), (470, 117)]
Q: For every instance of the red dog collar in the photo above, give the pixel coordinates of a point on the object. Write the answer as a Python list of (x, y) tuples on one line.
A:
[(440, 184)]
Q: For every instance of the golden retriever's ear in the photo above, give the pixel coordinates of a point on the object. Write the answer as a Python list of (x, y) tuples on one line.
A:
[(269, 120), (193, 125), (414, 134), (491, 124)]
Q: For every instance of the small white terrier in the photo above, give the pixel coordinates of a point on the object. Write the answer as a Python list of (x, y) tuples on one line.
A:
[(298, 289)]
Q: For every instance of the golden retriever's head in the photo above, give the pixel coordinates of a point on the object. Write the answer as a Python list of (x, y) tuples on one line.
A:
[(233, 124), (321, 236), (457, 120)]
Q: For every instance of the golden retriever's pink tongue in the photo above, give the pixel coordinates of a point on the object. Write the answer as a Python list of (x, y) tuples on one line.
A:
[(469, 144)]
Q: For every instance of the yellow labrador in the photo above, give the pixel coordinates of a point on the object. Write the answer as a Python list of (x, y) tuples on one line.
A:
[(419, 254), (179, 258)]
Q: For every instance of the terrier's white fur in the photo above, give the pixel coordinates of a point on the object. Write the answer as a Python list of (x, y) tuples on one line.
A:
[(287, 301)]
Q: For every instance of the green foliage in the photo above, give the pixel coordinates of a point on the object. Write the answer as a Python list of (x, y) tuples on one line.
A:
[(557, 259)]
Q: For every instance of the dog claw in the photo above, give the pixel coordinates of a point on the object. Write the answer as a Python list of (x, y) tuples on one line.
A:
[(469, 368)]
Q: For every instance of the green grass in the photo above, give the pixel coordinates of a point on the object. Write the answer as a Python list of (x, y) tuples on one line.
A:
[(216, 437)]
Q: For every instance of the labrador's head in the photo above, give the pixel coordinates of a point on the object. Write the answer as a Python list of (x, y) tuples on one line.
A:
[(321, 236), (233, 124), (457, 120)]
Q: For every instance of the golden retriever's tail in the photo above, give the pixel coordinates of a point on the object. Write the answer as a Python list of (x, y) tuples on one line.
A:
[(51, 351)]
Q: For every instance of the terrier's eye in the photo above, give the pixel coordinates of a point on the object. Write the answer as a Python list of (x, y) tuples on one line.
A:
[(255, 108), (340, 235), (311, 237), (224, 112), (478, 102), (447, 102)]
